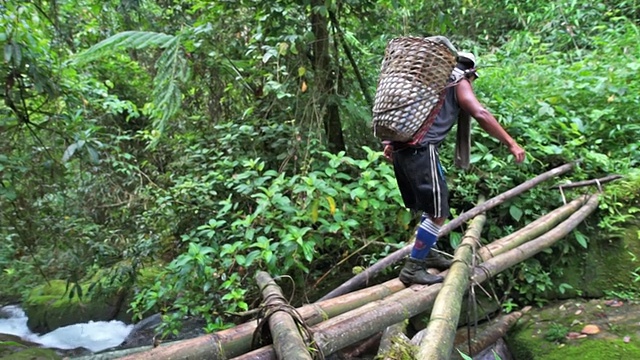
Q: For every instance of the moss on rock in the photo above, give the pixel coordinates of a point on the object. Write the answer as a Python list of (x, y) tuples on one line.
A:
[(529, 345), (605, 267), (617, 338), (49, 307), (18, 350)]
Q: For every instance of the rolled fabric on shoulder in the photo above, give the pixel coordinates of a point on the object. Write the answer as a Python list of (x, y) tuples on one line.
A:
[(463, 141)]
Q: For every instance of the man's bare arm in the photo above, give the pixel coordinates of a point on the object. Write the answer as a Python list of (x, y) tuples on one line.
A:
[(469, 103)]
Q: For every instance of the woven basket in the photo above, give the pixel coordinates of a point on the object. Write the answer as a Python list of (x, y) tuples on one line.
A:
[(412, 80)]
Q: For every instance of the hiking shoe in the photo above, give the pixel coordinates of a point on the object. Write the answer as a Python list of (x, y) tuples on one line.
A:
[(414, 272)]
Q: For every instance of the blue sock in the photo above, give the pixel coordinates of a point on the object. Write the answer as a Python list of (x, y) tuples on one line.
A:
[(426, 237)]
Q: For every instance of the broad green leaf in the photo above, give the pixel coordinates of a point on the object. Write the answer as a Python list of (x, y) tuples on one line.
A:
[(515, 212), (582, 240), (68, 153)]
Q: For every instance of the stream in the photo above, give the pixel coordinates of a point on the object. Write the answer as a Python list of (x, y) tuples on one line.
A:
[(94, 335)]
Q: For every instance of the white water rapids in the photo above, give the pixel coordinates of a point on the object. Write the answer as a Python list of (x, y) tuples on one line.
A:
[(95, 336)]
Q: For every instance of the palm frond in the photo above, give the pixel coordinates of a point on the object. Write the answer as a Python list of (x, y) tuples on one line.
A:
[(125, 40)]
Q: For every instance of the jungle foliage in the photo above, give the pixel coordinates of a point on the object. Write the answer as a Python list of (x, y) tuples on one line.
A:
[(211, 139)]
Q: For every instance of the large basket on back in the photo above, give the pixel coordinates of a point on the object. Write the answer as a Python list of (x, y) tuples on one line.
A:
[(411, 86)]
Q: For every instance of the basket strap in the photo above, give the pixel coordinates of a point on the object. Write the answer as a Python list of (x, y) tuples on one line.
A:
[(426, 125)]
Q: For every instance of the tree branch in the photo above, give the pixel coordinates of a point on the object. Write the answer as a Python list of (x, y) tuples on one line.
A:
[(347, 51)]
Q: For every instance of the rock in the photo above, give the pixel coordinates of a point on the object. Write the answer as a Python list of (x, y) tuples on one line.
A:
[(575, 335), (499, 350), (143, 332), (17, 340), (590, 329), (5, 314), (49, 307), (13, 347)]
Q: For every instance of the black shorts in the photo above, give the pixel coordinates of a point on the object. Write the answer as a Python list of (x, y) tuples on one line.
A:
[(421, 180)]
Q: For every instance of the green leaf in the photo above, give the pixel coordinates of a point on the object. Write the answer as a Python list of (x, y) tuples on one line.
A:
[(17, 54), (93, 155), (68, 153), (516, 212), (7, 53), (582, 240)]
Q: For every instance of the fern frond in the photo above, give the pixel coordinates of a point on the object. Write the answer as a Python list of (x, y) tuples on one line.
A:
[(172, 69), (125, 40)]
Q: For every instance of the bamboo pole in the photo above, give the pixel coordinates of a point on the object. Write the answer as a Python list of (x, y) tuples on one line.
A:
[(232, 342), (355, 325), (441, 330), (597, 182), (531, 231), (287, 340), (501, 262), (363, 278)]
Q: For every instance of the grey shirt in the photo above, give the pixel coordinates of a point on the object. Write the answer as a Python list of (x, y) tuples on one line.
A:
[(445, 119)]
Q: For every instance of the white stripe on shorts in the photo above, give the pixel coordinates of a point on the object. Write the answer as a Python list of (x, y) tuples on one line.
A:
[(435, 176)]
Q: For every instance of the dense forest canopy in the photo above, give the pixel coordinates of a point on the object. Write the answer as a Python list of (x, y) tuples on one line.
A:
[(200, 141)]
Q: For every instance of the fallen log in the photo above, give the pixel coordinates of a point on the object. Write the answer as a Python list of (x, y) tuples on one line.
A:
[(364, 277), (443, 322), (353, 326), (532, 230), (489, 334), (232, 342), (283, 321)]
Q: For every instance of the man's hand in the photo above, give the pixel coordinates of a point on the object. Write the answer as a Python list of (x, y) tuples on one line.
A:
[(388, 153), (517, 152)]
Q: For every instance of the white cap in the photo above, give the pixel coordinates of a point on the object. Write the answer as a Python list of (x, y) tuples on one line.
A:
[(468, 57)]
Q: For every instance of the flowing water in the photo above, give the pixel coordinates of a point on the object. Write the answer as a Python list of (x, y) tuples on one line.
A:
[(94, 336)]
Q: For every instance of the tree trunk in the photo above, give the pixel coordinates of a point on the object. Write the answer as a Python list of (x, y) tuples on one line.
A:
[(364, 277), (441, 331), (325, 79), (287, 340)]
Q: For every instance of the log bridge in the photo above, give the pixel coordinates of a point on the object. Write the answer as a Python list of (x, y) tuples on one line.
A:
[(359, 314)]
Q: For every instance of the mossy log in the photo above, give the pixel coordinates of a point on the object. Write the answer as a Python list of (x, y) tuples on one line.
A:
[(362, 279), (287, 338), (235, 341), (443, 322)]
